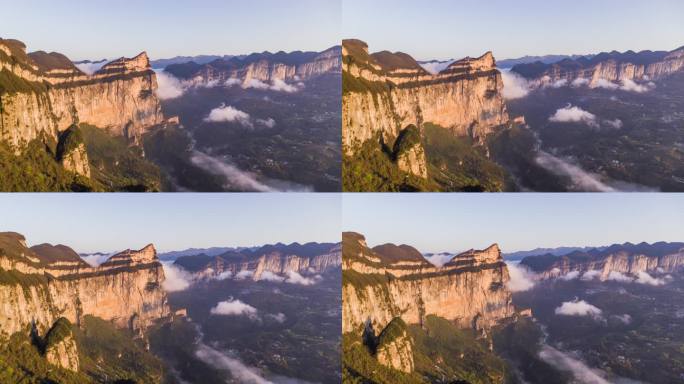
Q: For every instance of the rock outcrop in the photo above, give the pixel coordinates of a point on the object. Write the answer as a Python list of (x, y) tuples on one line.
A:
[(390, 281), (44, 94), (60, 346), (44, 283), (608, 66), (278, 259), (71, 152), (385, 92), (395, 347), (629, 259), (263, 67)]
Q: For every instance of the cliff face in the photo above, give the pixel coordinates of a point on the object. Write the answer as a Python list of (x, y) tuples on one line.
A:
[(385, 92), (45, 94), (44, 283), (387, 282), (625, 258), (612, 66), (263, 67), (279, 260)]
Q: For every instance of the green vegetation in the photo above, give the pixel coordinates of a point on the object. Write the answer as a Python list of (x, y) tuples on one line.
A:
[(69, 141), (60, 330), (408, 138), (394, 330), (11, 83), (442, 353), (352, 84)]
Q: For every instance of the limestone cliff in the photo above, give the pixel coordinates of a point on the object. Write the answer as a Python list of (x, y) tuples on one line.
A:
[(395, 347), (60, 346), (391, 281), (385, 92), (44, 283), (608, 66), (279, 259), (264, 67), (626, 258), (44, 94)]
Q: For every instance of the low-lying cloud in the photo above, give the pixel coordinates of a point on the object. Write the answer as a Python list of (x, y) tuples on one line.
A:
[(515, 86), (237, 369), (91, 68), (227, 113), (168, 86), (234, 307), (96, 259), (439, 259), (276, 85), (578, 308), (573, 114), (563, 361), (580, 178), (295, 278), (435, 67), (521, 278), (176, 279), (645, 278)]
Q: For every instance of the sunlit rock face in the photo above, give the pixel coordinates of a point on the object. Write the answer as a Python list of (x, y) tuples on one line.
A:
[(391, 281), (47, 94), (385, 92), (53, 281)]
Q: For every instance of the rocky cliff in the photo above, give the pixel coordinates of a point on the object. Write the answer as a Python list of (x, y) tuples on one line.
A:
[(608, 66), (279, 259), (629, 259), (264, 67), (44, 94), (390, 281), (41, 284), (385, 92)]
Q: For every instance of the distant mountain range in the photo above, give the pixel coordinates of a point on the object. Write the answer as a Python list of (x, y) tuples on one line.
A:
[(559, 251), (199, 59), (546, 59)]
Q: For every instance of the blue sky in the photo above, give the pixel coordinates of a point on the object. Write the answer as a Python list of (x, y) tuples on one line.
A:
[(96, 29), (113, 222), (439, 29), (457, 222)]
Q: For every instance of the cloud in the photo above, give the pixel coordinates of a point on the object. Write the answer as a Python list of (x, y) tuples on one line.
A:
[(624, 319), (619, 277), (563, 361), (617, 123), (232, 81), (570, 114), (580, 178), (276, 85), (279, 317), (96, 259), (645, 278), (603, 83), (237, 369), (233, 307), (295, 278), (435, 67), (515, 86), (439, 259), (591, 275), (226, 113), (557, 84), (270, 276), (579, 82), (570, 276), (281, 86), (578, 308), (177, 279), (522, 279), (243, 275), (224, 275), (268, 123), (168, 86), (630, 86), (90, 68)]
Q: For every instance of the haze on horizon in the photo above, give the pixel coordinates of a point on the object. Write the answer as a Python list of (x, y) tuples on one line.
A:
[(171, 221), (99, 29), (446, 29), (448, 222)]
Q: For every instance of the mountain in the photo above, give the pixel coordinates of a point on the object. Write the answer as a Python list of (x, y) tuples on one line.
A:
[(279, 259), (625, 258), (213, 251), (607, 66), (559, 251), (45, 289), (264, 67), (389, 99), (200, 59), (389, 288), (546, 59)]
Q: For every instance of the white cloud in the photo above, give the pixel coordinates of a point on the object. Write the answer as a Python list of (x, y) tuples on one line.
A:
[(224, 275), (96, 259), (583, 374), (226, 113), (269, 122), (617, 123), (177, 279), (439, 259), (515, 86), (436, 67), (557, 84), (279, 317), (90, 68), (276, 85), (232, 81), (243, 275), (295, 278), (630, 86), (570, 114), (579, 82), (578, 308), (522, 279), (281, 86), (580, 178), (591, 275), (233, 307), (237, 369), (619, 277), (270, 276), (570, 276), (256, 84), (645, 278), (603, 83), (168, 86)]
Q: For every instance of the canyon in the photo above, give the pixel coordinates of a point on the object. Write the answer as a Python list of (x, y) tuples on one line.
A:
[(384, 93), (628, 259), (47, 288), (612, 66)]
